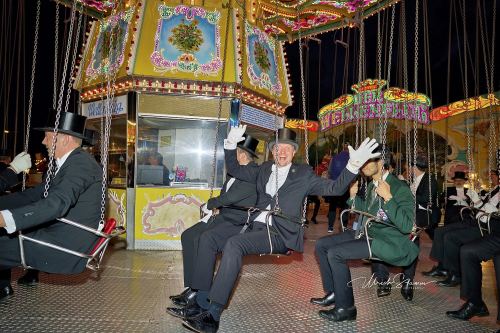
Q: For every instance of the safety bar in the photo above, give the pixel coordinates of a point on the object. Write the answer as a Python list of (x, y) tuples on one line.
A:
[(93, 259)]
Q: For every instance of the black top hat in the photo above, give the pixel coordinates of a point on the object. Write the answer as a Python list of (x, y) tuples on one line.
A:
[(249, 145), (69, 123), (459, 175), (285, 135), (91, 137)]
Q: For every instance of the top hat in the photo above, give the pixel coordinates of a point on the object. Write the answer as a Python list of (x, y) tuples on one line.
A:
[(69, 123), (285, 135), (249, 145), (459, 175), (90, 137)]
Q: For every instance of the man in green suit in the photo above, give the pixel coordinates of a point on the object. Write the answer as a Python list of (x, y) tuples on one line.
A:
[(389, 199)]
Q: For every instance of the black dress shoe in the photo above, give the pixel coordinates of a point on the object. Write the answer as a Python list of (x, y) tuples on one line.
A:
[(187, 297), (30, 278), (5, 292), (436, 272), (339, 314), (203, 323), (186, 312), (383, 289), (327, 300), (407, 289), (451, 281), (469, 310)]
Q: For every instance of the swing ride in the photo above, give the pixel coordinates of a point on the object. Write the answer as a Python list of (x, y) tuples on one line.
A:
[(162, 81)]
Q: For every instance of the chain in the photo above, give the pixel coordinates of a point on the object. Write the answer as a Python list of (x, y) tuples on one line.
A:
[(73, 59), (56, 46), (491, 98), (32, 83), (415, 73), (108, 112), (304, 111), (219, 113), (59, 105)]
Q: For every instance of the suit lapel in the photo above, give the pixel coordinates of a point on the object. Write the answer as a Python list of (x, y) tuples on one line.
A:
[(292, 174)]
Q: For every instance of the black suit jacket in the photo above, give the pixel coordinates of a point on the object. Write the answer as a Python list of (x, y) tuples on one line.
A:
[(8, 178), (422, 199), (241, 194), (75, 193), (300, 182)]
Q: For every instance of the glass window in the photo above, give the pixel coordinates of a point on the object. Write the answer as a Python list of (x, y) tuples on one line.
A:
[(117, 153), (179, 152)]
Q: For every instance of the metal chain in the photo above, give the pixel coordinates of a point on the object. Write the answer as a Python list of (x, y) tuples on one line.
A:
[(304, 113), (470, 158), (56, 47), (219, 113), (73, 59), (108, 112), (50, 170), (415, 73), (32, 83)]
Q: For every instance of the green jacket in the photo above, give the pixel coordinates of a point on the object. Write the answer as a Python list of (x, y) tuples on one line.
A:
[(392, 244)]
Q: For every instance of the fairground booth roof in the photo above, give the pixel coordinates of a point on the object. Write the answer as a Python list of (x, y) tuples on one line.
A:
[(168, 47)]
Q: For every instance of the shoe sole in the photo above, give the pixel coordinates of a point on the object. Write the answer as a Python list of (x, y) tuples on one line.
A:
[(481, 314), (323, 305), (27, 284), (185, 324), (331, 319)]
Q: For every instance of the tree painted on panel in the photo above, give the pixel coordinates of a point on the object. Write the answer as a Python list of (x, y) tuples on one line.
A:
[(187, 38), (261, 57)]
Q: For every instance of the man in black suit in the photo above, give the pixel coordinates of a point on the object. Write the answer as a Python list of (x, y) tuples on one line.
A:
[(8, 176), (471, 256), (228, 222), (448, 239), (456, 198), (74, 193), (279, 183)]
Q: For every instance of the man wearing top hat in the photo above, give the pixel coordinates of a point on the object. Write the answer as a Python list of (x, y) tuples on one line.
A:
[(203, 241), (74, 193), (456, 198), (279, 182)]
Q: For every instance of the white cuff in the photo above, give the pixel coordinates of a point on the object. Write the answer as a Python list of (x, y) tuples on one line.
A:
[(352, 168), (10, 224), (229, 145)]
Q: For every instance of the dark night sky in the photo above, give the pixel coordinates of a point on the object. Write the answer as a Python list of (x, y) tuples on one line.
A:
[(438, 13)]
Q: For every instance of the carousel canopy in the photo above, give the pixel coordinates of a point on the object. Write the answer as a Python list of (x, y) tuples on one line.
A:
[(166, 47)]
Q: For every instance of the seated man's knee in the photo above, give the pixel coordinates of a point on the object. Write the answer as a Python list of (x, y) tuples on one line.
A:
[(468, 252), (233, 247)]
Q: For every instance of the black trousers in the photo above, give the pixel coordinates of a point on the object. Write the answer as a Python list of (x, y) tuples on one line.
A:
[(452, 215), (496, 261), (190, 238), (10, 257), (453, 240), (314, 199), (333, 253), (254, 241), (380, 269), (437, 250), (471, 256)]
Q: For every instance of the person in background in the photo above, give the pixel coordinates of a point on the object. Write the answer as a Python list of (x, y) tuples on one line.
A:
[(456, 198), (157, 159), (8, 173), (337, 164)]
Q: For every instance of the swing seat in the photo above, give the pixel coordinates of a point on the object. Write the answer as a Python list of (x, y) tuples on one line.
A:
[(95, 256)]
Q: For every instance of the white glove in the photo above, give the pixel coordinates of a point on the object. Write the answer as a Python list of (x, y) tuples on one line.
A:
[(454, 197), (204, 209), (401, 177), (461, 202), (21, 162), (236, 134), (476, 199), (364, 153)]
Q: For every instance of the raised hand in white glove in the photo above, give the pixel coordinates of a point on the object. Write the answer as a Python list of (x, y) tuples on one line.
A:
[(359, 156), (21, 162), (204, 209), (236, 134), (476, 199)]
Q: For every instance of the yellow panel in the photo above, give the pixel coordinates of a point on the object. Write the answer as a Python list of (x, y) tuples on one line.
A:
[(164, 213), (194, 106), (260, 55), (161, 52)]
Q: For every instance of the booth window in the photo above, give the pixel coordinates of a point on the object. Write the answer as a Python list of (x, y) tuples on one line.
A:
[(117, 151), (179, 152)]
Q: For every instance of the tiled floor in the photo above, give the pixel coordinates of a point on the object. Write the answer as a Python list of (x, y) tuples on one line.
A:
[(130, 295)]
